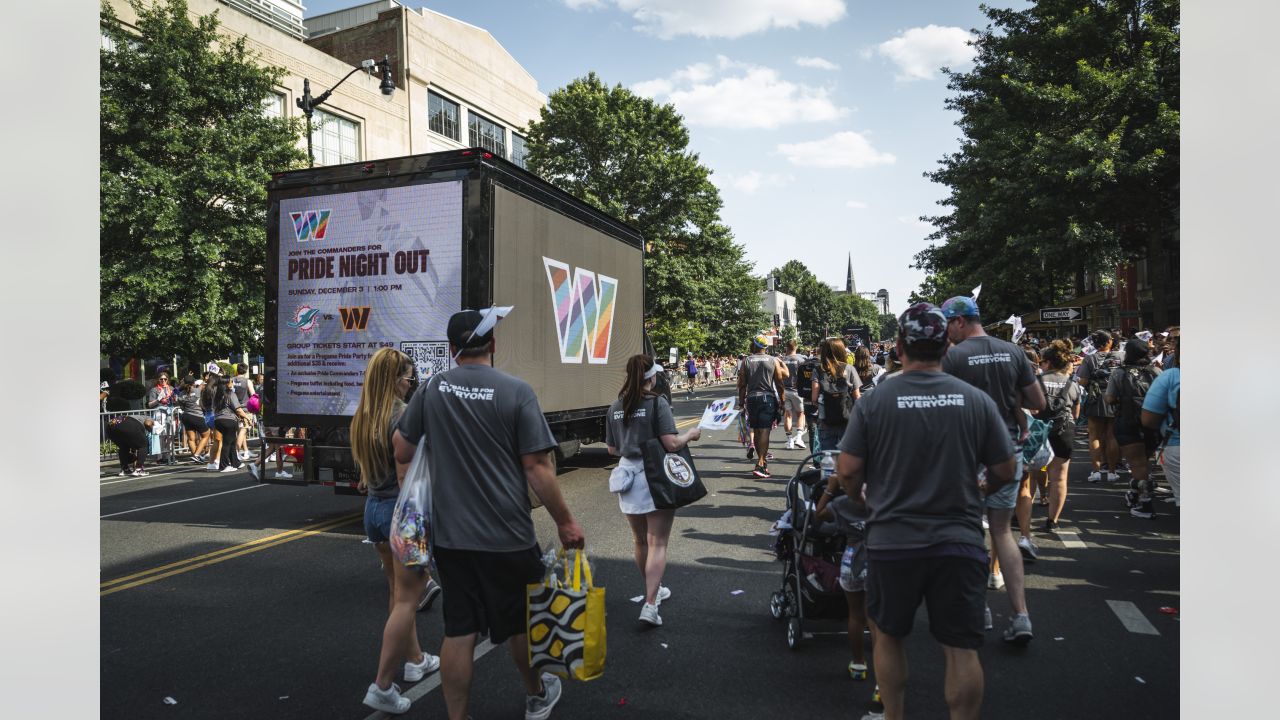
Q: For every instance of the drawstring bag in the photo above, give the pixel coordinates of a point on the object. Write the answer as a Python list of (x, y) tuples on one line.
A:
[(566, 622), (411, 519)]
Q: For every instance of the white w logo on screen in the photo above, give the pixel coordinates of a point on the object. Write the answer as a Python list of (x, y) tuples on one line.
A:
[(583, 304)]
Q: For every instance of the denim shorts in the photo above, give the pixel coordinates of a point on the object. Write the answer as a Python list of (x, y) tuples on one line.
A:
[(1006, 498), (377, 518), (829, 437), (762, 411)]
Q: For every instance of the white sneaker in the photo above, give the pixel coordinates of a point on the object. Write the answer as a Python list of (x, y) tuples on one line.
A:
[(388, 701), (649, 614), (1096, 476), (791, 443), (995, 581), (800, 441), (229, 468), (284, 475), (538, 707), (1027, 548), (413, 672), (664, 592), (212, 466)]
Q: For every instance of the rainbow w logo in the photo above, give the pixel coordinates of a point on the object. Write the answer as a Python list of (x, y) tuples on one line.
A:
[(583, 304), (310, 224)]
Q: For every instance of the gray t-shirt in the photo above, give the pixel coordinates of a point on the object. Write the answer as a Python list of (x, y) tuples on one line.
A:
[(923, 436), (230, 403), (478, 421), (190, 403), (1061, 385), (629, 439), (998, 368), (385, 484), (759, 369), (793, 363)]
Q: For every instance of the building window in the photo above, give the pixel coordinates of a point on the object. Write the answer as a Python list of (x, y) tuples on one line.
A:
[(273, 105), (334, 140), (443, 115), (519, 151), (487, 134)]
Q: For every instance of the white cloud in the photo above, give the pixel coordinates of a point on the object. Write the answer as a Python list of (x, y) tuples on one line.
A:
[(915, 222), (816, 62), (721, 18), (752, 182), (735, 94), (844, 149), (856, 205), (919, 52)]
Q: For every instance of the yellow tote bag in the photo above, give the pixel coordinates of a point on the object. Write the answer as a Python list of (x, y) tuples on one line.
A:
[(566, 622)]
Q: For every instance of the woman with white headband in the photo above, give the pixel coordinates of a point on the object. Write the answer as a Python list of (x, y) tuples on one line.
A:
[(629, 425)]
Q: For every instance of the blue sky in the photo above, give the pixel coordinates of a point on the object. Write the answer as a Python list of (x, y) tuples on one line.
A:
[(818, 117)]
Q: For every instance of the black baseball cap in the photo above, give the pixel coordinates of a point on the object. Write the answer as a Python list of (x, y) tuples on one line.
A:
[(461, 326)]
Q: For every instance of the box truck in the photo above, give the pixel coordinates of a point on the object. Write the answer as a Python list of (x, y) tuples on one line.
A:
[(380, 254)]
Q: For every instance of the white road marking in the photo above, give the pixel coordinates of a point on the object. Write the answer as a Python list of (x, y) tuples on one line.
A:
[(1132, 618), (1071, 540), (432, 682), (175, 502)]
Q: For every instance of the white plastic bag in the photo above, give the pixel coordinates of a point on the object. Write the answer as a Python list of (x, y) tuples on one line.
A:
[(411, 520)]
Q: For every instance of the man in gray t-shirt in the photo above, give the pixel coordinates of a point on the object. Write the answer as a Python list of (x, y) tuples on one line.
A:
[(488, 441), (914, 445), (1002, 370), (760, 396)]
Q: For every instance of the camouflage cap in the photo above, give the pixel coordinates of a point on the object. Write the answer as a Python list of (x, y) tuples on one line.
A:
[(922, 322)]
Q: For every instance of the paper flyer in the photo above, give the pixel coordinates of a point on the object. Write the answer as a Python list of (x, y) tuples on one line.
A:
[(719, 414)]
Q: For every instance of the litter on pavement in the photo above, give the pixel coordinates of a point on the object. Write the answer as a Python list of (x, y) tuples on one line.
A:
[(1135, 677), (637, 598), (170, 701), (737, 592)]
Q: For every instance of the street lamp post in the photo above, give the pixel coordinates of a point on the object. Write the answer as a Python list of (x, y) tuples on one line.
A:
[(308, 104)]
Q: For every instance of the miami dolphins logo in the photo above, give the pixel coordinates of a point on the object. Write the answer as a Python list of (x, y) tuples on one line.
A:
[(304, 319)]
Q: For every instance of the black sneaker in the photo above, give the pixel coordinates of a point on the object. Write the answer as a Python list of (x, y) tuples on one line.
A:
[(751, 452), (1144, 509), (1050, 525), (1131, 498)]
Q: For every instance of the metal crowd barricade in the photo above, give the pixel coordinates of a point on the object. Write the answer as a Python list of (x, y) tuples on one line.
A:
[(166, 417)]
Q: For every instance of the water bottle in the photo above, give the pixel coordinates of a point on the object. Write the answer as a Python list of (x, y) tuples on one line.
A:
[(828, 465)]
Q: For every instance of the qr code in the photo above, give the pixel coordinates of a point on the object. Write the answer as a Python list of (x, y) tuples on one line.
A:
[(429, 357)]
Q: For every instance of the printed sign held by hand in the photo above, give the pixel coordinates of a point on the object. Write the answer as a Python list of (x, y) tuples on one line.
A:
[(719, 414)]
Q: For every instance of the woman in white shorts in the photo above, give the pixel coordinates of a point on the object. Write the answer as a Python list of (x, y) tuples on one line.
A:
[(630, 423)]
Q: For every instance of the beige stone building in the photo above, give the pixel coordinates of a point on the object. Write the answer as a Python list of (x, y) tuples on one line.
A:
[(456, 86)]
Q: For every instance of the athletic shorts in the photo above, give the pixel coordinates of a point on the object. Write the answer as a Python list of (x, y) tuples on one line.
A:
[(762, 411), (377, 518), (793, 404), (194, 423), (1131, 432), (953, 588), (852, 579), (1061, 443), (485, 591), (1006, 498)]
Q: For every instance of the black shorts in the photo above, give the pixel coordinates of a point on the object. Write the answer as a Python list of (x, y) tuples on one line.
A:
[(194, 423), (1061, 442), (485, 591), (1132, 432), (762, 411), (953, 589)]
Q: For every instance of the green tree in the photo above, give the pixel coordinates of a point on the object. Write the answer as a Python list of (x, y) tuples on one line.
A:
[(888, 327), (186, 152), (816, 307), (1069, 161), (628, 156)]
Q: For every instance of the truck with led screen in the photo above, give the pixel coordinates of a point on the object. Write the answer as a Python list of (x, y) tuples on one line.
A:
[(381, 254)]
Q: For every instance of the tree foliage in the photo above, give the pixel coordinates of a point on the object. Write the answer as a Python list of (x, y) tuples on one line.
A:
[(628, 156), (1069, 160), (186, 152), (820, 310)]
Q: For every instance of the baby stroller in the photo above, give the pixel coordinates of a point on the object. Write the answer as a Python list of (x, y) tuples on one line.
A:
[(811, 551)]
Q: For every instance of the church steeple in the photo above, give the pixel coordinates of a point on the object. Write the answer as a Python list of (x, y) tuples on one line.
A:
[(849, 287)]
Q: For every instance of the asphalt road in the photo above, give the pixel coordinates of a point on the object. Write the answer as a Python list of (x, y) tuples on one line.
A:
[(236, 599)]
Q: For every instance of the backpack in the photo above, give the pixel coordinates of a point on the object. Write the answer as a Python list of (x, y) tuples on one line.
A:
[(1057, 412), (1097, 387), (1133, 390), (835, 396), (804, 378)]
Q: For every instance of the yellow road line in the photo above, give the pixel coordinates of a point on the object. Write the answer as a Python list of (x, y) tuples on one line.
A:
[(687, 423), (199, 561)]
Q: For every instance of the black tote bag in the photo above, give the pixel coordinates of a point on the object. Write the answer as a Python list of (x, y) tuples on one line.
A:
[(673, 480)]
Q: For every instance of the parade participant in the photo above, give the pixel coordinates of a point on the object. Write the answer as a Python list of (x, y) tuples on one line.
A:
[(1126, 391), (1001, 370), (192, 419), (868, 372), (835, 391), (488, 444), (1062, 397), (244, 389), (914, 443), (129, 435), (1093, 374), (691, 370), (853, 573), (629, 424), (793, 407), (227, 416), (211, 382), (761, 391), (162, 396), (1031, 479), (1160, 412), (388, 380)]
